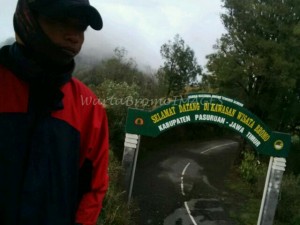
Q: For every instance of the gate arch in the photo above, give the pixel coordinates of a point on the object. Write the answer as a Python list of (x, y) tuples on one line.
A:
[(215, 109)]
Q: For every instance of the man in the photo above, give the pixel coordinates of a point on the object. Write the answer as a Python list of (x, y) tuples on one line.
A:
[(53, 149)]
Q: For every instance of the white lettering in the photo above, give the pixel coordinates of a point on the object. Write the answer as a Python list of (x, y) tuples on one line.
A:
[(253, 139), (172, 123), (208, 117)]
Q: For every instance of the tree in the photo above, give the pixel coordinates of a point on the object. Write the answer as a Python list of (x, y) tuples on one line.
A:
[(258, 60), (119, 68), (116, 97), (180, 67)]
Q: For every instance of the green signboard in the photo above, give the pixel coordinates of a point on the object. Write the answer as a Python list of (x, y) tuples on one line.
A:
[(214, 109)]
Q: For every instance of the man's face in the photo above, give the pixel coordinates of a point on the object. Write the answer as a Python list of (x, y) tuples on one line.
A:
[(66, 33)]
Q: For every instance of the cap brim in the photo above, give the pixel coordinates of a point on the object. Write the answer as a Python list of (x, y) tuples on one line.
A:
[(90, 14)]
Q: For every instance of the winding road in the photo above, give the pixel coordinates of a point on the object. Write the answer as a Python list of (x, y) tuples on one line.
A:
[(184, 184)]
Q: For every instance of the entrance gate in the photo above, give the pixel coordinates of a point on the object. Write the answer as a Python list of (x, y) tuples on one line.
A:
[(216, 109)]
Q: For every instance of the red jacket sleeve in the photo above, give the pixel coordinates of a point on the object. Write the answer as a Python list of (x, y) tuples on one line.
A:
[(95, 148)]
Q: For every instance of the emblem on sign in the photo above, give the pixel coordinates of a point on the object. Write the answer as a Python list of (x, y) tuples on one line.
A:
[(278, 145), (139, 122)]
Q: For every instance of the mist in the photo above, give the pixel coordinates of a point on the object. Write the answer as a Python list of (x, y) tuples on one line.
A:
[(143, 27)]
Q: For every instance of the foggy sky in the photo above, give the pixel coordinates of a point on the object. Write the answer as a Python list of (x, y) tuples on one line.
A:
[(141, 27)]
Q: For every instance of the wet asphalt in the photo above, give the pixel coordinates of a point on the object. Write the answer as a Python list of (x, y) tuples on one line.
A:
[(183, 184)]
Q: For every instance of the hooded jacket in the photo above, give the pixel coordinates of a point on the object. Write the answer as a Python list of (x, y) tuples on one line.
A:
[(53, 150)]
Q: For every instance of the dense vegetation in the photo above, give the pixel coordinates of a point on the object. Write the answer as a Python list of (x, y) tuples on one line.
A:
[(256, 62)]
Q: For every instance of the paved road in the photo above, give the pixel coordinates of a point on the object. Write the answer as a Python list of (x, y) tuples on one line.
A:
[(184, 184)]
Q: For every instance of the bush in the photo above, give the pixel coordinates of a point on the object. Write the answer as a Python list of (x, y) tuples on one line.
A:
[(288, 210), (116, 97), (250, 168), (253, 173), (293, 165)]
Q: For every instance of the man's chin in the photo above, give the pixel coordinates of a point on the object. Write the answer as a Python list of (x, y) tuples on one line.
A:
[(55, 57), (62, 59)]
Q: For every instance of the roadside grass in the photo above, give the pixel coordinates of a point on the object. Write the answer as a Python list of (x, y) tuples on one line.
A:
[(246, 185), (288, 210), (243, 202), (245, 195), (115, 210)]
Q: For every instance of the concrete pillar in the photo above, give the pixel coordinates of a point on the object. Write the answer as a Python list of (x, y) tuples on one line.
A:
[(271, 191), (130, 154)]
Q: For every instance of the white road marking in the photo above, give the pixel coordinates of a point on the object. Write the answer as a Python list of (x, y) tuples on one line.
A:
[(189, 212), (182, 174), (218, 146), (182, 184), (183, 171)]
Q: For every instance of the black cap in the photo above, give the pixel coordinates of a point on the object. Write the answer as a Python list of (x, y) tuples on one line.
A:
[(65, 8)]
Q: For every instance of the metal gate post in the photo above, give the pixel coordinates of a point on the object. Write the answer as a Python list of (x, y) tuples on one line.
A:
[(271, 191)]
